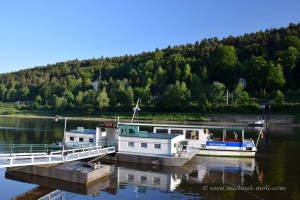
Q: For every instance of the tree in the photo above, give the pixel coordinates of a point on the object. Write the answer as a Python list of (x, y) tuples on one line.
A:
[(59, 103), (38, 99), (143, 93), (113, 101), (239, 95), (79, 99), (176, 96), (278, 99), (290, 62), (2, 92), (88, 102), (103, 100), (217, 93), (225, 66), (186, 74), (275, 78), (255, 72)]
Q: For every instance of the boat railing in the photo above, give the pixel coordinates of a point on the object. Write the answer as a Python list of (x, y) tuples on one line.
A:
[(46, 149), (25, 149)]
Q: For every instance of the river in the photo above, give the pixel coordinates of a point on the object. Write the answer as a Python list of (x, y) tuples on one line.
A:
[(273, 174)]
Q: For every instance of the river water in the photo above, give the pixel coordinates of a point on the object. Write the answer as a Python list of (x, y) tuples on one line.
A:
[(273, 174)]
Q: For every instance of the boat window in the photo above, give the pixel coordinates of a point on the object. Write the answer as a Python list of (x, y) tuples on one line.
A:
[(81, 139), (143, 179), (161, 130), (71, 138), (156, 181), (91, 140), (177, 131), (157, 146), (131, 144), (130, 177), (144, 145), (102, 129), (131, 130), (189, 134)]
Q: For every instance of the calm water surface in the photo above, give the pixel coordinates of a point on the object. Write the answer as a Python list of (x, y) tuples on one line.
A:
[(273, 174)]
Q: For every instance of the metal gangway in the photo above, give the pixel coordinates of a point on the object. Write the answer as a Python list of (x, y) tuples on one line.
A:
[(14, 155)]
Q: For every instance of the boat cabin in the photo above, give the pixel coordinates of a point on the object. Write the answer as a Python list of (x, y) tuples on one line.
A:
[(134, 141), (102, 135)]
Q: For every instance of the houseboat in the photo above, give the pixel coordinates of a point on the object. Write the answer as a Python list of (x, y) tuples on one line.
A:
[(164, 144), (202, 138), (133, 145)]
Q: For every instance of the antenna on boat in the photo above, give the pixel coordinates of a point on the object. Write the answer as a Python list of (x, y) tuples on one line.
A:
[(135, 109)]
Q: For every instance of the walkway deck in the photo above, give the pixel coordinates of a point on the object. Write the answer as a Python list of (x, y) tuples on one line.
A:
[(42, 154)]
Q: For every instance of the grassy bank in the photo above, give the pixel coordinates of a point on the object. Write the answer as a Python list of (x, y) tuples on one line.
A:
[(108, 115)]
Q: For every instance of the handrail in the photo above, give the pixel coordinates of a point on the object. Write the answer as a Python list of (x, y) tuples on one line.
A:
[(60, 156), (18, 149)]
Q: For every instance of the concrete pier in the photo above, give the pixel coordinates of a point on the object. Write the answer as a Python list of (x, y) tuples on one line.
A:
[(72, 171)]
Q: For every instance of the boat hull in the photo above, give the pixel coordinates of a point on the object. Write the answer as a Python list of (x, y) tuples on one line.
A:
[(151, 159), (226, 153)]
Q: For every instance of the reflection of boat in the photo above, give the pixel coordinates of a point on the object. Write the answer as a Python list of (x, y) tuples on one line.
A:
[(204, 170), (222, 170), (151, 176)]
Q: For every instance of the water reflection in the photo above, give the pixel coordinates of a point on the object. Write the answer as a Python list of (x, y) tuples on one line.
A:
[(47, 186), (277, 164), (208, 170), (139, 178)]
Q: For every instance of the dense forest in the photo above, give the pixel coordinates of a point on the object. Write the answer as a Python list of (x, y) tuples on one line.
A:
[(235, 73)]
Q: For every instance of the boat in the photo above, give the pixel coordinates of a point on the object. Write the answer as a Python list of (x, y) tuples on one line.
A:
[(259, 122), (166, 144), (232, 143)]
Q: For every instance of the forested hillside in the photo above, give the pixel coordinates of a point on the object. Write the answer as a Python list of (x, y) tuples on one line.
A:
[(186, 77)]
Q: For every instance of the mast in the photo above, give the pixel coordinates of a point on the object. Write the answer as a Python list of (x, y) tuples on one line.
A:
[(135, 109)]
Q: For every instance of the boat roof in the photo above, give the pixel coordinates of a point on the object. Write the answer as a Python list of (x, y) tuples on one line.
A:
[(150, 135), (86, 131), (184, 126)]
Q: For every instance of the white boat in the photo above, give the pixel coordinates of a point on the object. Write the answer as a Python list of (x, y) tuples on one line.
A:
[(259, 122), (232, 143)]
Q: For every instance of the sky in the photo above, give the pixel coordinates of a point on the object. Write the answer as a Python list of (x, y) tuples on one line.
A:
[(37, 33)]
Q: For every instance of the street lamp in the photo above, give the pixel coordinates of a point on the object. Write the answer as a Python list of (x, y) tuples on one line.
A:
[(57, 117)]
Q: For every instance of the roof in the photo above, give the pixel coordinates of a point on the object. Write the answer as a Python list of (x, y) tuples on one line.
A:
[(184, 126), (86, 131), (151, 135)]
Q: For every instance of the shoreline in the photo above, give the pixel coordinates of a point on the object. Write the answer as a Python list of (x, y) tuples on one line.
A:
[(214, 119)]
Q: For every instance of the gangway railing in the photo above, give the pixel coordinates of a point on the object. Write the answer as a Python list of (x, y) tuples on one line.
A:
[(12, 155)]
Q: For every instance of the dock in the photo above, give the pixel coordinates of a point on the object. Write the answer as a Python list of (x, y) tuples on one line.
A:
[(72, 171)]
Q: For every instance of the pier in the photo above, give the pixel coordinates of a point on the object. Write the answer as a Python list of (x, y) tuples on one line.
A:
[(14, 155)]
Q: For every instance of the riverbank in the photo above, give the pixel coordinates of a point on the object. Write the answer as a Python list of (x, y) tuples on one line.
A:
[(209, 119)]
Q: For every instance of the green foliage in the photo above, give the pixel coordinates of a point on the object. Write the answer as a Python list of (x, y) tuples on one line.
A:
[(38, 99), (178, 77), (240, 96), (103, 99), (225, 66), (176, 96), (217, 93), (278, 99)]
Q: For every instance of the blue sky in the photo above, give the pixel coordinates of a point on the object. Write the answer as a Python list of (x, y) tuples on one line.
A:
[(37, 33)]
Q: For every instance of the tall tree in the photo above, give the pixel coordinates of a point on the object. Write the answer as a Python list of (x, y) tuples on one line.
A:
[(225, 66), (103, 100), (217, 93), (239, 95)]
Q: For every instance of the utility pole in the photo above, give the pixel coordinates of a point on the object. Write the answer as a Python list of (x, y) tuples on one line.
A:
[(227, 97)]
